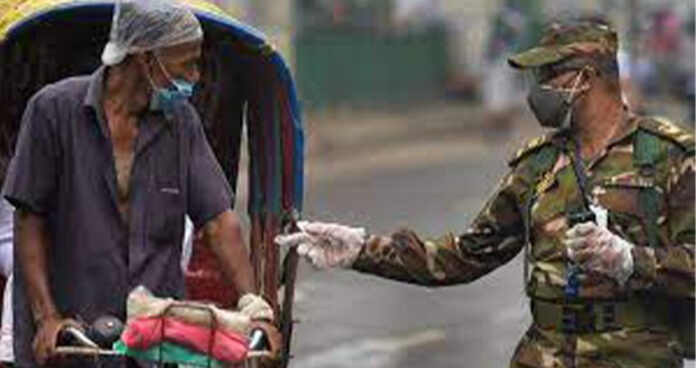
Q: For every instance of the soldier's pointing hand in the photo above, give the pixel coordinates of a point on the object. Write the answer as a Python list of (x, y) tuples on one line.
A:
[(326, 245)]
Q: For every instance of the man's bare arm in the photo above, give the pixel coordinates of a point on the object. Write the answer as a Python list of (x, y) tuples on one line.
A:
[(32, 246), (223, 235)]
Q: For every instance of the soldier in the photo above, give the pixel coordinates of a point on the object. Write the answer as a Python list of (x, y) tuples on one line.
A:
[(602, 206)]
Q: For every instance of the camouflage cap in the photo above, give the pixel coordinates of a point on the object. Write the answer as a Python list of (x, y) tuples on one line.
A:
[(562, 41)]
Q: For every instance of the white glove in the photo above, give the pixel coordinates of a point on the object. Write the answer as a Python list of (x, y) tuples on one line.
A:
[(597, 249), (326, 245), (255, 307)]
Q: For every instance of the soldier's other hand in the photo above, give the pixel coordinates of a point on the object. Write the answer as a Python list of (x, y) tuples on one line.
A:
[(599, 250), (326, 245)]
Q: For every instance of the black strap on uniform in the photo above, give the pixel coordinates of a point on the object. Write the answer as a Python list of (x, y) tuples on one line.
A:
[(580, 174), (570, 317), (646, 153)]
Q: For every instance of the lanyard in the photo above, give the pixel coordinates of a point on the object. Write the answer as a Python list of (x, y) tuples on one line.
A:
[(580, 174)]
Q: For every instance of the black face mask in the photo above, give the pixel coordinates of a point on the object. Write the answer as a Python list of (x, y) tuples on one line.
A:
[(553, 107)]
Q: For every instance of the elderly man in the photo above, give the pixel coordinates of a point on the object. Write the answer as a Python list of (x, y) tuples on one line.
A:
[(106, 168), (603, 207)]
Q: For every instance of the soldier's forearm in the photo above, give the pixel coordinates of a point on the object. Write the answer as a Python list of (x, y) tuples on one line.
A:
[(400, 261), (668, 269), (405, 257)]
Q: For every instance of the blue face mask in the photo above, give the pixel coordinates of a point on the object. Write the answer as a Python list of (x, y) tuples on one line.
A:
[(165, 99)]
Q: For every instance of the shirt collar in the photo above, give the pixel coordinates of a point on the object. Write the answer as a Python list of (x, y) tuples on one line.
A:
[(629, 125), (95, 89), (94, 96)]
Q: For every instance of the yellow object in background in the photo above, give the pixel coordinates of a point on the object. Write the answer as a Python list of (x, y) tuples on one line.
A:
[(13, 12)]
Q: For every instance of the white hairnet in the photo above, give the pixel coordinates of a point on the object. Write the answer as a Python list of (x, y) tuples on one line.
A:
[(144, 25)]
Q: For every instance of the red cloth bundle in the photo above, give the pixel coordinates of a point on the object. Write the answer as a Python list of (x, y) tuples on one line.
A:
[(222, 345)]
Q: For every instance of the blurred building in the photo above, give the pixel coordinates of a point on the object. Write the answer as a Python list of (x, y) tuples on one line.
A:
[(369, 53), (376, 52)]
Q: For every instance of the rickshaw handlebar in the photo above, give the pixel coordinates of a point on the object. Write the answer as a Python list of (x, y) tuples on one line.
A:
[(258, 344)]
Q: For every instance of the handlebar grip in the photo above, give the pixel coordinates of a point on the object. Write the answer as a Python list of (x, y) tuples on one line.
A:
[(71, 336), (258, 340)]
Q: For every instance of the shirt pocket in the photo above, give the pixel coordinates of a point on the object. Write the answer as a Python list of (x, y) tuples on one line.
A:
[(167, 202), (621, 196), (165, 215)]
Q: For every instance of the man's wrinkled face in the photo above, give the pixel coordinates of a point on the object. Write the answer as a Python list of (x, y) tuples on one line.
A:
[(180, 62)]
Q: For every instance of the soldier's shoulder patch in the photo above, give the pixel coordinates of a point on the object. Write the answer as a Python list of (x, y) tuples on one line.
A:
[(530, 147), (666, 129)]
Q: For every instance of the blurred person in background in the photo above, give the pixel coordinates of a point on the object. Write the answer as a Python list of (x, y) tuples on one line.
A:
[(686, 64), (602, 208), (664, 44), (500, 88), (631, 91), (411, 15), (643, 71), (625, 61)]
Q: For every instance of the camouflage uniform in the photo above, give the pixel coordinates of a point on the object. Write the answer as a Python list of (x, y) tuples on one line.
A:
[(614, 326)]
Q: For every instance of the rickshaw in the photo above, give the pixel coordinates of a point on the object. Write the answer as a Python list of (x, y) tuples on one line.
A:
[(245, 86)]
